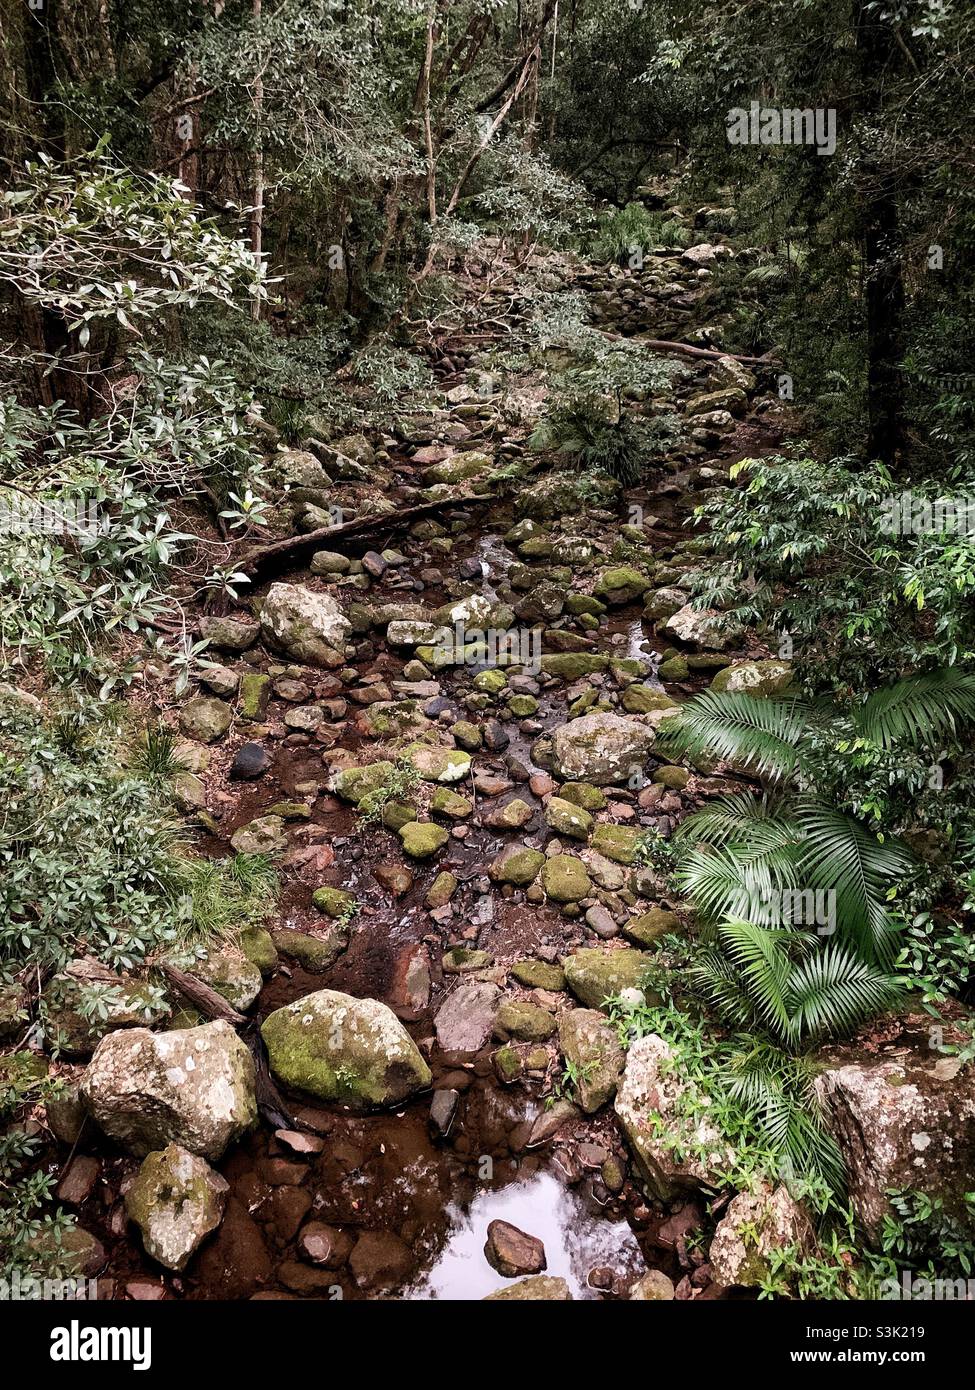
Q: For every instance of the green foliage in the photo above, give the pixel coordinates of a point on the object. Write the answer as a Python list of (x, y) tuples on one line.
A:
[(788, 984), (581, 431), (630, 231), (31, 1238)]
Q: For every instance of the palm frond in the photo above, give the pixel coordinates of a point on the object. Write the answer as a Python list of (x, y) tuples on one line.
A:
[(832, 991), (841, 856), (921, 710), (762, 735)]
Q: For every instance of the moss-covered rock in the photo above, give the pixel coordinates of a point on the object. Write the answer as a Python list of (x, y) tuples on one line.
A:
[(258, 947), (441, 890), (524, 1022), (517, 866), (621, 585), (565, 879), (592, 1047), (176, 1199), (523, 706), (538, 974), (334, 902), (264, 835), (354, 783), (642, 699), (649, 927), (621, 843), (255, 689), (205, 718), (758, 678), (571, 666), (674, 778), (566, 819), (595, 974), (315, 953), (421, 839), (490, 682), (583, 794), (338, 1048), (436, 764), (444, 802)]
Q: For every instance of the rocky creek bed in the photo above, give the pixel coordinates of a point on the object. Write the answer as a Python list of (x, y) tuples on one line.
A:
[(463, 883)]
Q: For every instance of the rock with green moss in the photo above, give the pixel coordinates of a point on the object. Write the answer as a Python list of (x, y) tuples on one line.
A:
[(664, 602), (523, 706), (396, 814), (565, 879), (190, 1086), (572, 666), (755, 1227), (461, 960), (307, 625), (314, 952), (537, 1288), (578, 604), (603, 748), (490, 682), (674, 778), (567, 819), (334, 902), (176, 1199), (421, 839), (518, 866), (592, 1048), (704, 627), (649, 927), (227, 970), (444, 802), (255, 689), (675, 668), (583, 794), (436, 764), (621, 585), (758, 678), (524, 1022), (507, 1063), (643, 699), (354, 783), (538, 974), (123, 1003), (338, 1048), (621, 843), (668, 1122), (458, 469), (13, 1010), (594, 974), (260, 950), (264, 835), (441, 890), (466, 735), (205, 718)]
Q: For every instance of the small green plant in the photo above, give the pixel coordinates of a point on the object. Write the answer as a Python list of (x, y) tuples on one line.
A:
[(155, 755), (399, 785)]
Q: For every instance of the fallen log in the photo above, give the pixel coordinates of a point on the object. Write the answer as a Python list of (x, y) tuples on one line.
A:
[(206, 1000), (270, 559), (662, 345)]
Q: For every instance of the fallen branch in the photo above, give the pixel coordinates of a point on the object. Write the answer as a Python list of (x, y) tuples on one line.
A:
[(274, 557), (209, 1003), (661, 345)]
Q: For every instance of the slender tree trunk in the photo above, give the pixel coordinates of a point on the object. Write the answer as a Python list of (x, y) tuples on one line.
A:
[(257, 213)]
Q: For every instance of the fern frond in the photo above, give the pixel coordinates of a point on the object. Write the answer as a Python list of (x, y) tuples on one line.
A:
[(921, 710)]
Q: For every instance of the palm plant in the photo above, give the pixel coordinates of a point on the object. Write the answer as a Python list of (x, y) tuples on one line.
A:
[(783, 981)]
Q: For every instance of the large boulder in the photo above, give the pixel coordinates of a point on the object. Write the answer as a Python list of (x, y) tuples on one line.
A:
[(603, 748), (755, 1224), (561, 494), (596, 973), (706, 628), (339, 1048), (191, 1086), (676, 1145), (906, 1124), (758, 678), (176, 1200), (592, 1047), (306, 625)]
